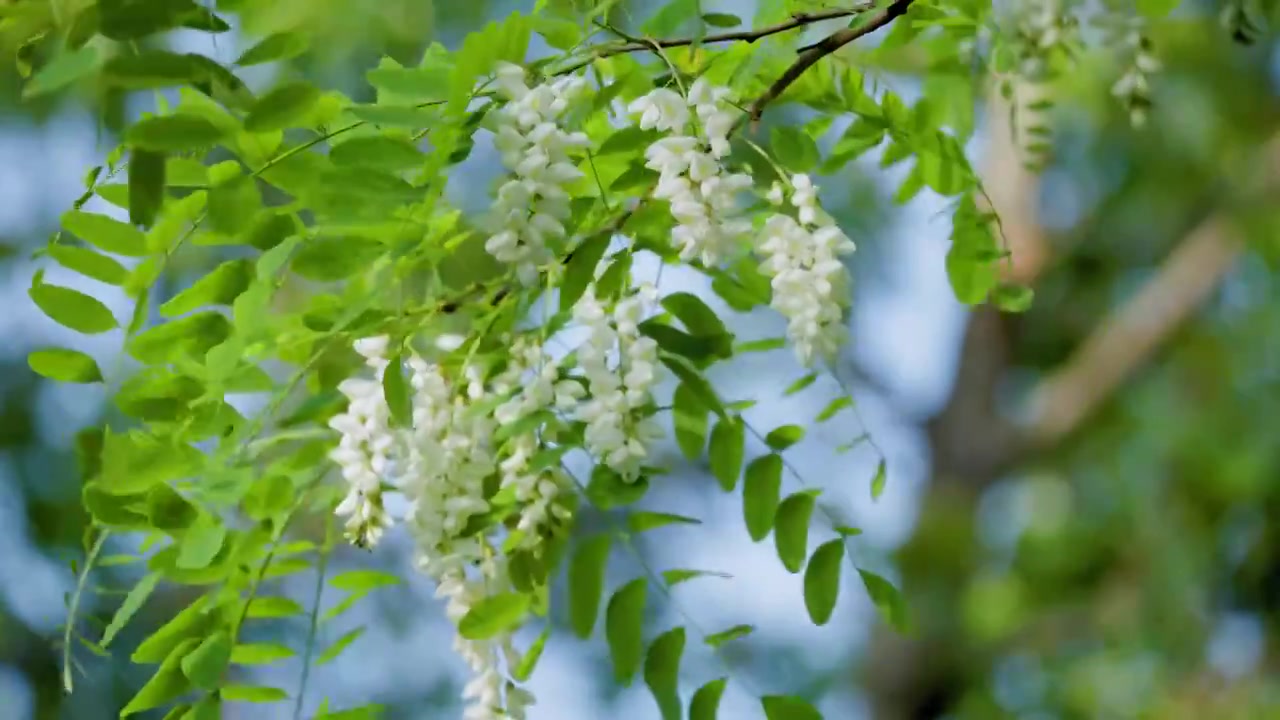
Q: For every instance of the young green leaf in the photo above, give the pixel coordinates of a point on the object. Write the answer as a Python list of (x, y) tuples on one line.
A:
[(173, 133), (834, 407), (88, 263), (395, 389), (201, 543), (793, 148), (63, 365), (105, 233), (278, 46), (800, 384), (168, 684), (662, 671), (260, 653), (380, 152), (494, 615), (189, 624), (146, 186), (132, 603), (694, 313), (363, 580), (64, 69), (689, 417), (706, 701), (73, 309), (220, 287), (524, 670), (728, 440), (273, 607), (639, 521), (342, 643), (877, 482), (786, 707), (887, 599), (581, 269), (624, 620), (254, 693), (675, 577), (760, 493), (791, 530), (822, 581), (697, 384), (586, 583), (283, 107), (715, 640), (781, 438), (204, 665)]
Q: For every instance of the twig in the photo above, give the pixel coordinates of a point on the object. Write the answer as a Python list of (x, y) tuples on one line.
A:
[(828, 45), (89, 562), (636, 44)]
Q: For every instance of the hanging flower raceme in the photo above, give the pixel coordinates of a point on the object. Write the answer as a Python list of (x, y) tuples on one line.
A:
[(1133, 89), (810, 283), (365, 447), (532, 205), (691, 176), (620, 367)]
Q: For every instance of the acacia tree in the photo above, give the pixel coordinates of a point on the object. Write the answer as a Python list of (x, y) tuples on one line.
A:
[(496, 371)]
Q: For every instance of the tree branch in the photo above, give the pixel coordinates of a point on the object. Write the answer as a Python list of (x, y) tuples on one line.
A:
[(812, 54), (798, 20)]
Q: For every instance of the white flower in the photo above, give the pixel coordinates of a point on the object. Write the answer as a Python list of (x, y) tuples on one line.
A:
[(810, 284), (530, 208), (662, 109)]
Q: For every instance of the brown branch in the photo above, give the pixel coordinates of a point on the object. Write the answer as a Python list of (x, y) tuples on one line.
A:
[(1132, 334), (812, 54)]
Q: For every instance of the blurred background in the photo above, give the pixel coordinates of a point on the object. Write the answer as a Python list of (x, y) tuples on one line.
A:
[(1083, 501)]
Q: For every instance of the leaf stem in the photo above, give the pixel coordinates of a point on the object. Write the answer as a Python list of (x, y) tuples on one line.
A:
[(89, 561)]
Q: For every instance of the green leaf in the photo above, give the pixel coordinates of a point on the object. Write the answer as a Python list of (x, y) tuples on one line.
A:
[(800, 384), (624, 620), (132, 603), (173, 133), (334, 650), (260, 653), (639, 521), (822, 581), (627, 140), (379, 152), (581, 269), (694, 313), (146, 186), (363, 580), (1014, 298), (877, 482), (675, 577), (723, 20), (190, 337), (254, 693), (167, 685), (715, 640), (494, 615), (283, 107), (1157, 8), (697, 384), (760, 493), (63, 365), (204, 665), (88, 263), (524, 670), (728, 440), (586, 583), (72, 308), (787, 707), (791, 529), (105, 233), (678, 342), (153, 69), (273, 607), (833, 407), (220, 287), (64, 69), (887, 600), (662, 671), (395, 389), (689, 417), (781, 438), (201, 543), (189, 624), (278, 46), (233, 204), (706, 701), (608, 490), (793, 148)]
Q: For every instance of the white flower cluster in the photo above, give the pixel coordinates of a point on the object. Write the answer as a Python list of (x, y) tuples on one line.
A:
[(531, 207), (538, 387), (620, 366), (1043, 26), (1133, 89), (691, 176), (810, 283), (440, 465), (364, 451)]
